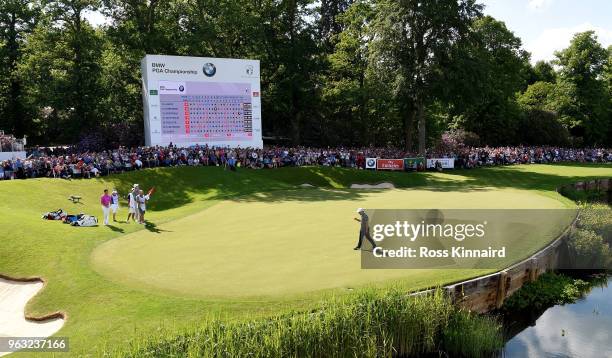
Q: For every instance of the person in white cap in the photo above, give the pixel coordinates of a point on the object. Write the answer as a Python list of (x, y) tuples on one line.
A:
[(364, 231), (142, 199), (114, 206), (133, 204)]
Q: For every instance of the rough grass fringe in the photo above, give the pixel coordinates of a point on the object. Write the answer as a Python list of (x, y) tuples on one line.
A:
[(366, 324)]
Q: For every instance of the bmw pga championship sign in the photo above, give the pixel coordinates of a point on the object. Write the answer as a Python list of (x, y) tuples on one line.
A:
[(201, 100)]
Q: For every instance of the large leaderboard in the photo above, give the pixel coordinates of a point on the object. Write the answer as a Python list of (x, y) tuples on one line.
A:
[(201, 100)]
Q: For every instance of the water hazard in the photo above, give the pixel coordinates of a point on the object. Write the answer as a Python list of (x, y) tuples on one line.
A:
[(581, 329)]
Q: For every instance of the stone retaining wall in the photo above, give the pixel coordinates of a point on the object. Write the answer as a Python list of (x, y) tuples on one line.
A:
[(489, 292)]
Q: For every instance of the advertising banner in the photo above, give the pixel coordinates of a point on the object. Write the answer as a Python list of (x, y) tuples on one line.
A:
[(390, 164), (413, 163), (370, 163), (447, 163)]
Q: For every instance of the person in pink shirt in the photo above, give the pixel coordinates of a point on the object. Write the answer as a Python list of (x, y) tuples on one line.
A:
[(105, 200)]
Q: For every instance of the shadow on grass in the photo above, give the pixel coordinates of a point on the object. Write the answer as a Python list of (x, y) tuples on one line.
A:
[(178, 186), (115, 228), (517, 178), (152, 227), (584, 165), (303, 195)]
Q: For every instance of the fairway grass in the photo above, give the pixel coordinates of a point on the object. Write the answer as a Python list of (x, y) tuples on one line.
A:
[(286, 248)]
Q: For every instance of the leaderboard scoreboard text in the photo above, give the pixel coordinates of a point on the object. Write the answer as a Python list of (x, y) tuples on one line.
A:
[(191, 100)]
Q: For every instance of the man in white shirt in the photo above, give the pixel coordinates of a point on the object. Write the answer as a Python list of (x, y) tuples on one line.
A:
[(133, 203), (114, 205), (142, 199)]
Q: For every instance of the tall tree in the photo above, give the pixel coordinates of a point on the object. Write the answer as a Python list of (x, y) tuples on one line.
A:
[(330, 23), (411, 39), (17, 20), (544, 71), (229, 28), (137, 28), (608, 81), (61, 70), (485, 72), (84, 55), (147, 26), (582, 67), (289, 65), (345, 91), (608, 73)]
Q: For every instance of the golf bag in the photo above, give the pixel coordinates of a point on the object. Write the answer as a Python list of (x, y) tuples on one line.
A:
[(86, 220), (72, 218), (59, 214)]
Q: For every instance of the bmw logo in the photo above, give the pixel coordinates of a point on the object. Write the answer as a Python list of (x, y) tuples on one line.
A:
[(209, 69), (181, 88), (249, 70), (371, 162)]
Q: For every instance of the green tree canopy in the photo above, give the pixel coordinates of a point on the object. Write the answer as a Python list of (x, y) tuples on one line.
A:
[(333, 72)]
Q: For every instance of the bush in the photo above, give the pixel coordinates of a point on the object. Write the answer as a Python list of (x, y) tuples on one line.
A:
[(598, 218), (549, 289), (588, 249), (368, 324)]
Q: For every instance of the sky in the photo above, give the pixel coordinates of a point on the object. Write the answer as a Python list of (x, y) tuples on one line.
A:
[(544, 26)]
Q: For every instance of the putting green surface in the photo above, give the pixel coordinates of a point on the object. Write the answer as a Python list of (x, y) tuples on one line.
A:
[(232, 244), (280, 246)]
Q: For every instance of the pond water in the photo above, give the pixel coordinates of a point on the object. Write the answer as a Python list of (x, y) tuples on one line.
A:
[(581, 329)]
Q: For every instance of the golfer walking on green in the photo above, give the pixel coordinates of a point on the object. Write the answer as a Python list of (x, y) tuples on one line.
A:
[(364, 230)]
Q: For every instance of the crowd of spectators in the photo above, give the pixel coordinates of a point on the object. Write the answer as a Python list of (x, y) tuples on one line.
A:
[(65, 162), (488, 156)]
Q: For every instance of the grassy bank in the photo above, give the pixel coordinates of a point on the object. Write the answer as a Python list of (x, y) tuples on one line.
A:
[(368, 324)]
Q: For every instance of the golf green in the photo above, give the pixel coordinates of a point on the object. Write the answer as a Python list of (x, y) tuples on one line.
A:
[(276, 244)]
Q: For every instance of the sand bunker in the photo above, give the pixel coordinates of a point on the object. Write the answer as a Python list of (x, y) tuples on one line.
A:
[(306, 185), (375, 186), (14, 296)]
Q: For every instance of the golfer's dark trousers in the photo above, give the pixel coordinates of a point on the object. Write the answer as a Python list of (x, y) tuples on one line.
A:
[(367, 236)]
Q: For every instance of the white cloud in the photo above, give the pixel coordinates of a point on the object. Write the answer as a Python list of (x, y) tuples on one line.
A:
[(539, 4), (554, 39)]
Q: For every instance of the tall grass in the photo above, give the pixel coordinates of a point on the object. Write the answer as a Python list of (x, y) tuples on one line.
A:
[(366, 324), (471, 335)]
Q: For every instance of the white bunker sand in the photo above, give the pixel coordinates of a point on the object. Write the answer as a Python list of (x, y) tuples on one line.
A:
[(14, 296), (373, 186)]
